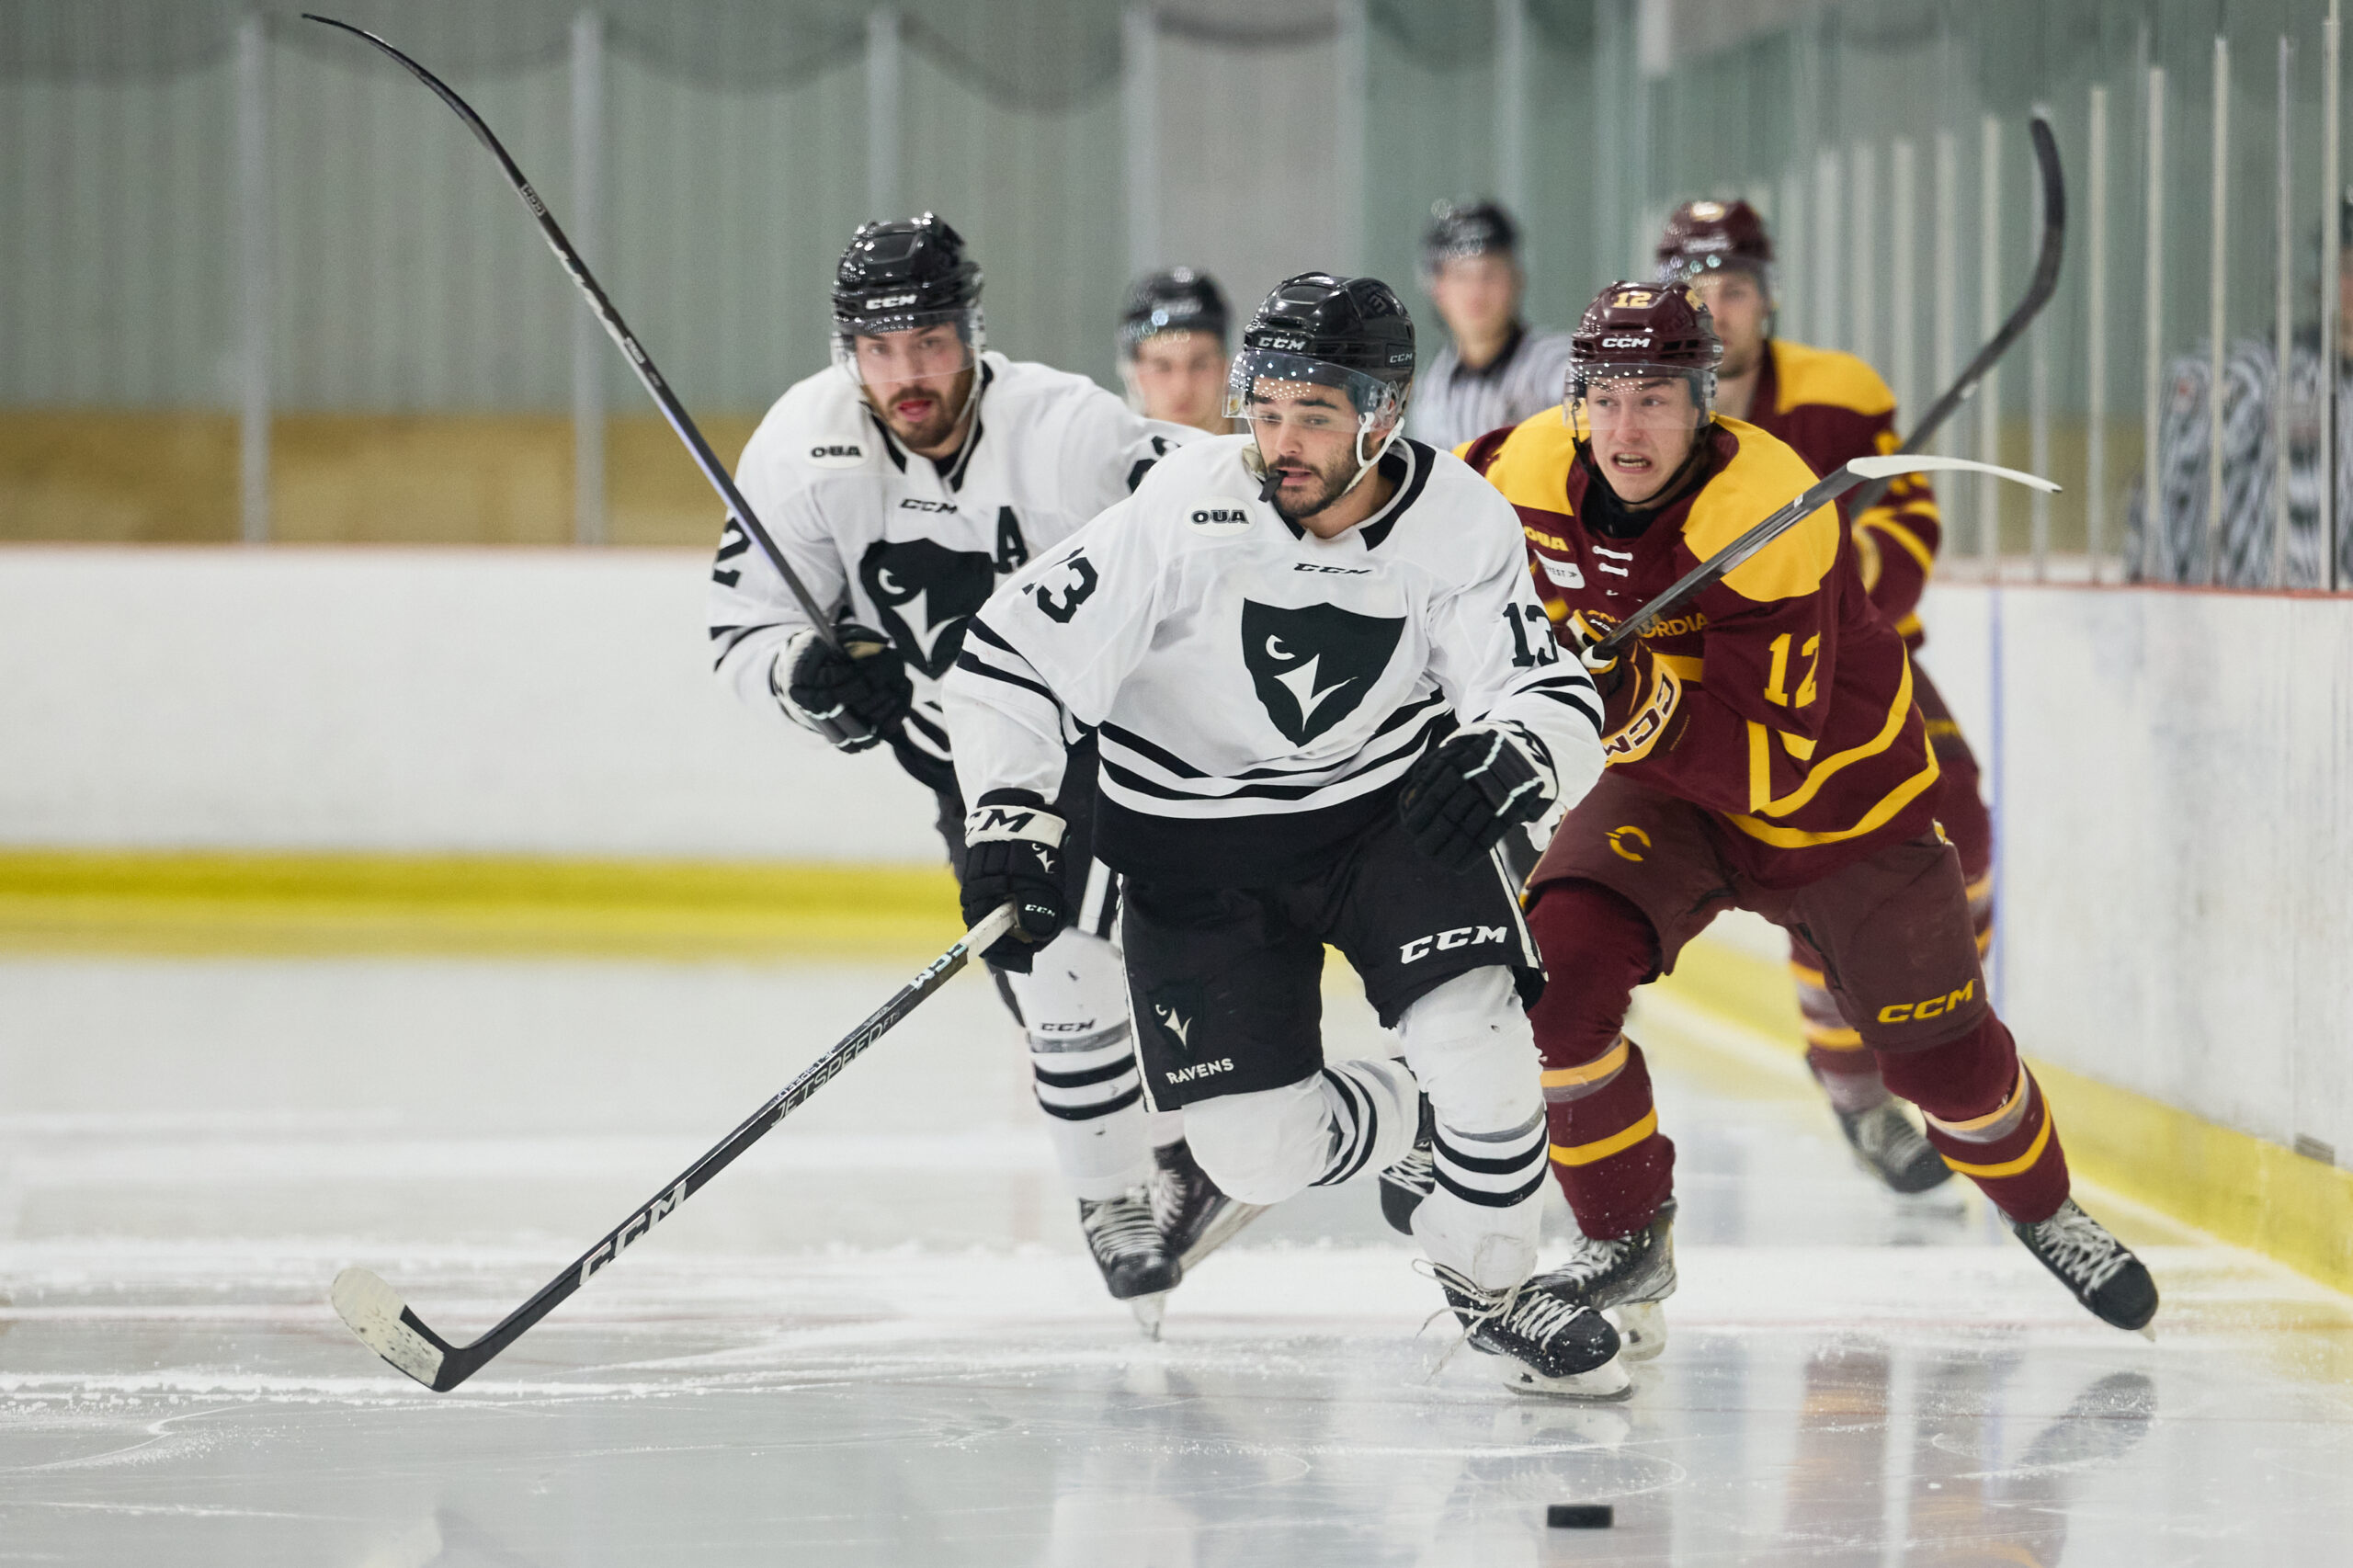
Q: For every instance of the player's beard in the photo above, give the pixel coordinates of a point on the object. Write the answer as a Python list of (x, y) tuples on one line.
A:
[(1334, 481), (948, 401)]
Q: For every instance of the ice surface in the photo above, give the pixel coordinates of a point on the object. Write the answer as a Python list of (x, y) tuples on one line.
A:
[(875, 1341)]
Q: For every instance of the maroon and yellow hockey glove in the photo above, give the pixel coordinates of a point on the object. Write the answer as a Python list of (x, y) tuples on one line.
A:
[(1639, 694)]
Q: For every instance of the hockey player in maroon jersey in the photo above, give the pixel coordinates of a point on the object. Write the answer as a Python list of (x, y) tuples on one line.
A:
[(1765, 752), (1830, 407)]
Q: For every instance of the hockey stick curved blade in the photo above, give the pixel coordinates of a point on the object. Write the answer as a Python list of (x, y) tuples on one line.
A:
[(1822, 493), (1915, 462), (374, 1310)]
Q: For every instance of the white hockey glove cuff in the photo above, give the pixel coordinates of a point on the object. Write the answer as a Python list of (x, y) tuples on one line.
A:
[(1013, 854)]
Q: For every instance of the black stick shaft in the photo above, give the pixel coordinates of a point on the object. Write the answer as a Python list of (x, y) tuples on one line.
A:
[(1718, 566), (2039, 289), (617, 329), (461, 1362)]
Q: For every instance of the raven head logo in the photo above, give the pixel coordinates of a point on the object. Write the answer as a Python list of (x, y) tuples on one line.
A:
[(923, 593), (1313, 665)]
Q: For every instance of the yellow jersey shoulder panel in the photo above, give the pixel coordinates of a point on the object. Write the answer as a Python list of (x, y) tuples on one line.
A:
[(1803, 374), (1533, 469), (1764, 475)]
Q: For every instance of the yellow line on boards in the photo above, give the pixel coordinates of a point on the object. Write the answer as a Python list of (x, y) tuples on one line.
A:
[(206, 902)]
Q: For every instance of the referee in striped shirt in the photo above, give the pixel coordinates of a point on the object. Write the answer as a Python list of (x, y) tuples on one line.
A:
[(1495, 369)]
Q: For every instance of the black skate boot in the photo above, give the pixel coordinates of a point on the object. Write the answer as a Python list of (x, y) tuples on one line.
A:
[(1137, 1265), (1629, 1275), (1411, 1179), (1548, 1343), (1194, 1217), (1888, 1146), (2098, 1269)]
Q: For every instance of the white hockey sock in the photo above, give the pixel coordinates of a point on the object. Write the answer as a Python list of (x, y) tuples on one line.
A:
[(1093, 1105), (1167, 1127), (1374, 1109), (1473, 1051)]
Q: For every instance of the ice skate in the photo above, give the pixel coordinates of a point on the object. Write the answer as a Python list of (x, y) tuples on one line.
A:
[(1194, 1217), (1548, 1343), (1629, 1277), (1411, 1179), (1137, 1265), (1888, 1146), (2102, 1272)]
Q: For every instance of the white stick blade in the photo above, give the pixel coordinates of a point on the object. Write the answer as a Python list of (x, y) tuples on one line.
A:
[(371, 1309), (1915, 462)]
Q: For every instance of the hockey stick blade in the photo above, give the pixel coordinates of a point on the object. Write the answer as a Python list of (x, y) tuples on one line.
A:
[(374, 1311), (601, 305), (2038, 291), (1815, 496)]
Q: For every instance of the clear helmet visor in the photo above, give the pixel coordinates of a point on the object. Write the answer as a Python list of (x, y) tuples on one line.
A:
[(1601, 398), (1274, 390), (906, 348)]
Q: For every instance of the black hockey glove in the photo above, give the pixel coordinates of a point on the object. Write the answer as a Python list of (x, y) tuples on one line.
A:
[(851, 695), (1013, 854), (1472, 789)]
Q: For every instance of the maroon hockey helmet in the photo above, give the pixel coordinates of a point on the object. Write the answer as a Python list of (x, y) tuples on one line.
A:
[(1710, 236), (1635, 331)]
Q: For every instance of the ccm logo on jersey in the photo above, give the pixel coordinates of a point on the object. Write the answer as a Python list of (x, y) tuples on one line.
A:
[(917, 504), (1447, 941), (1218, 519), (1935, 1006), (837, 454), (1332, 571), (1567, 574)]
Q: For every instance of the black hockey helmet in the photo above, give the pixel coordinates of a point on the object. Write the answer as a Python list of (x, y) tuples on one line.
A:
[(1317, 330), (1352, 332), (905, 273), (1179, 300), (1477, 228)]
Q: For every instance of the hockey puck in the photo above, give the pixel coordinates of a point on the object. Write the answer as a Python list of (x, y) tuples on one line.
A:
[(1578, 1517)]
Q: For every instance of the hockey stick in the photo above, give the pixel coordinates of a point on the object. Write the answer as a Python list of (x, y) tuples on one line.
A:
[(1815, 496), (2039, 289), (374, 1310), (639, 361)]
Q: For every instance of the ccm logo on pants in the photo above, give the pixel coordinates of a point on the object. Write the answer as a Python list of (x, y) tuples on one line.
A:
[(1447, 941), (1935, 1006)]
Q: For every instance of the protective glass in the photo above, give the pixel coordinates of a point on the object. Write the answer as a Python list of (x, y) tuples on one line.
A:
[(923, 346), (1276, 389), (1648, 397)]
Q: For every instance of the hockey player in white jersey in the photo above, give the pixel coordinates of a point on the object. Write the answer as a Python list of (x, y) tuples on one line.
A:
[(1173, 333), (1322, 688), (902, 483)]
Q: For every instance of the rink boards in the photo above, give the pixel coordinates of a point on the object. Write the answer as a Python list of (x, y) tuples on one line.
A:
[(459, 736)]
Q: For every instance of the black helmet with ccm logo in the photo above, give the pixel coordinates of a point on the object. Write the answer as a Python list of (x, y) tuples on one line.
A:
[(1355, 329), (905, 273)]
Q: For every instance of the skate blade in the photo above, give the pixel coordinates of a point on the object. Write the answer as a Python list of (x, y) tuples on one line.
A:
[(1607, 1382), (1149, 1310), (1229, 1225), (1642, 1329)]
